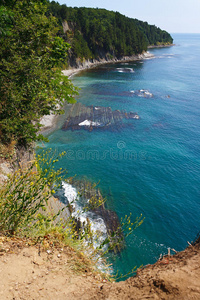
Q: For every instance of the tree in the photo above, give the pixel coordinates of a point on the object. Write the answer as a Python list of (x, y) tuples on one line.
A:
[(31, 81), (106, 32)]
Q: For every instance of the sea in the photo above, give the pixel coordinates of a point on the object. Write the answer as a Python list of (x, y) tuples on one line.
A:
[(148, 166)]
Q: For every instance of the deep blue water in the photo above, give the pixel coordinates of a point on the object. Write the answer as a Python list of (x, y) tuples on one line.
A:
[(150, 166)]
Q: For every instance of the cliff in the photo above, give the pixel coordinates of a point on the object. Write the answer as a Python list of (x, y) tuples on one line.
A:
[(55, 272)]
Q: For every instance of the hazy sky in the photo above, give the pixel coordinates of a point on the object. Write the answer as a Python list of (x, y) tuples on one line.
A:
[(171, 15)]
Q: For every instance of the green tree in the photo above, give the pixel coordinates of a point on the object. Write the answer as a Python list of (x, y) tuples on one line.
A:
[(106, 32), (31, 81)]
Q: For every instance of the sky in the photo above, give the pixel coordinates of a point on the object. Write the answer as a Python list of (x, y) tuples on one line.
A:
[(174, 16)]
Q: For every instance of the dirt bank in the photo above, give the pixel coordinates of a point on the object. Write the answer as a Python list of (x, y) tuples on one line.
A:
[(29, 272)]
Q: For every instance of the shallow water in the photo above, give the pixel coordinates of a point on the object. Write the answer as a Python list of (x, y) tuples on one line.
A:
[(151, 165)]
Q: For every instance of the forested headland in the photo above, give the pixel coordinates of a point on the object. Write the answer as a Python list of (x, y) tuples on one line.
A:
[(95, 33), (39, 39)]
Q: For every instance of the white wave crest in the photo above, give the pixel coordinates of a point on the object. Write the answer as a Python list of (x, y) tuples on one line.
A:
[(125, 70), (89, 123), (70, 192), (145, 93), (97, 224)]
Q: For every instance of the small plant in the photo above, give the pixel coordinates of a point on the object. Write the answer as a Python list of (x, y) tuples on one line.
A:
[(116, 239), (94, 198), (27, 191)]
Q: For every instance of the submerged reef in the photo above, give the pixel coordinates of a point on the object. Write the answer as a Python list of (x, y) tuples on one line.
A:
[(92, 117)]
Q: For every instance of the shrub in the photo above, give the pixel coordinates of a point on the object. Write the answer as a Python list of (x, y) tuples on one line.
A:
[(27, 191)]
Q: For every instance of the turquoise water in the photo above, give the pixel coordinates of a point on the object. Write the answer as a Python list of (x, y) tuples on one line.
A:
[(151, 165)]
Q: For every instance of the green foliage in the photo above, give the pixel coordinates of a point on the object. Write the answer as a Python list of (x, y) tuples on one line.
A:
[(22, 196), (33, 51), (105, 32), (80, 47), (59, 51), (31, 81), (26, 192), (116, 239), (6, 17), (154, 35)]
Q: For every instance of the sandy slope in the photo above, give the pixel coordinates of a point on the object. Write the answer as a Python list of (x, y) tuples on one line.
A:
[(53, 273), (28, 273)]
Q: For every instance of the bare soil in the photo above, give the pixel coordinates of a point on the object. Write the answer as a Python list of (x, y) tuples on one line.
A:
[(31, 272)]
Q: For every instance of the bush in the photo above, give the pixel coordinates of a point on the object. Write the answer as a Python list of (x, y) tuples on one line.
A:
[(27, 191)]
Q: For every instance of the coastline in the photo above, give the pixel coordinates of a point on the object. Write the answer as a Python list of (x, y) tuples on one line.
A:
[(160, 46), (49, 121), (85, 65)]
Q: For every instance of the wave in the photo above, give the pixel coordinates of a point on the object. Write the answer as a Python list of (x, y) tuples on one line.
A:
[(125, 70), (97, 224), (166, 56), (142, 93)]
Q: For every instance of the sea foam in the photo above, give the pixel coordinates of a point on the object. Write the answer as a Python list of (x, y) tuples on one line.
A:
[(97, 224)]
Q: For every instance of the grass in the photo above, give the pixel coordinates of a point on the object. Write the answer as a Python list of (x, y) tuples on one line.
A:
[(7, 151)]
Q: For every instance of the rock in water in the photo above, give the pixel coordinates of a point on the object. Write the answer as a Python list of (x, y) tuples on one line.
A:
[(91, 117)]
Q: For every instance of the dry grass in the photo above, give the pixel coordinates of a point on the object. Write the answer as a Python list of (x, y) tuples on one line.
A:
[(7, 151)]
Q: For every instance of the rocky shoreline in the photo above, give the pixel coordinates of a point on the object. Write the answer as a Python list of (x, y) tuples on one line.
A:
[(160, 46), (90, 64), (48, 122), (87, 207)]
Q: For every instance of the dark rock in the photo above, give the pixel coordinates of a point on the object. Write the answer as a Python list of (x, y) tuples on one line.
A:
[(93, 117), (89, 191)]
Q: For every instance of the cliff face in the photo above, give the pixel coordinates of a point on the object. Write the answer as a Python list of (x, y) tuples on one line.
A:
[(5, 169), (173, 277), (78, 63)]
